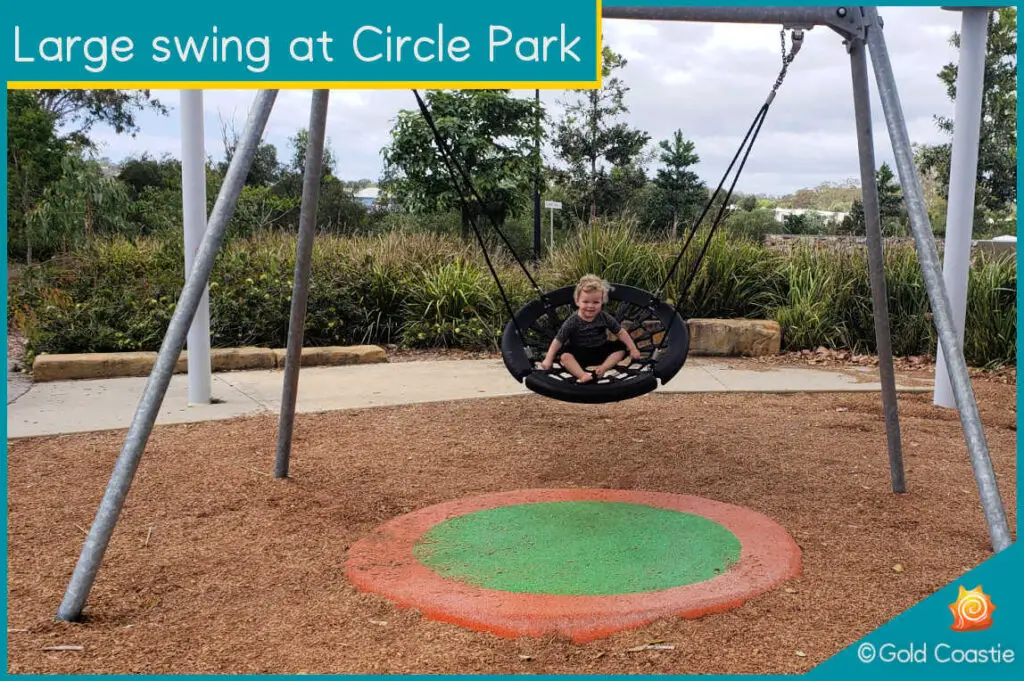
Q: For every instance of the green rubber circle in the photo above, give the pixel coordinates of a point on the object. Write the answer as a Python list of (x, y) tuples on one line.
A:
[(578, 548)]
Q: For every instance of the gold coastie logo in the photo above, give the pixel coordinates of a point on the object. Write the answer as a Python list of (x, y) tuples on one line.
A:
[(972, 610)]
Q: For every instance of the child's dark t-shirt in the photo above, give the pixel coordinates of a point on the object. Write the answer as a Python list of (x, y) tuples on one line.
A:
[(580, 333)]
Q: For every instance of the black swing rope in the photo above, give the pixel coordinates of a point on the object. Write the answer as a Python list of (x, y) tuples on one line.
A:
[(452, 165), (752, 133), (449, 161), (755, 128)]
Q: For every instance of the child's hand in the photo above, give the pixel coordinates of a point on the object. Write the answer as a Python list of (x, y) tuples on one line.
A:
[(546, 365), (635, 354)]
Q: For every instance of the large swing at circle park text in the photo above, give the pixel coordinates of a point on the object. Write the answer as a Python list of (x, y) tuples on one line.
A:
[(661, 554)]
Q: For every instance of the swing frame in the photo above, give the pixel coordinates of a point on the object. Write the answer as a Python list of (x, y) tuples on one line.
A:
[(861, 29)]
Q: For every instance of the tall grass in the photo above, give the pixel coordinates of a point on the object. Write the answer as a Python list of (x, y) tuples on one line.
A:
[(811, 308), (736, 278), (612, 251), (992, 313)]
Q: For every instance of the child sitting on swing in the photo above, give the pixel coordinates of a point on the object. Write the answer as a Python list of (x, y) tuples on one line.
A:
[(583, 341)]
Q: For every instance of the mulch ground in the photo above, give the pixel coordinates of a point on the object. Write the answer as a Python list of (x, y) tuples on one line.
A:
[(216, 567)]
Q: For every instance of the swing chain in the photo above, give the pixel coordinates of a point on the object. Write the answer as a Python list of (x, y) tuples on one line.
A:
[(798, 39)]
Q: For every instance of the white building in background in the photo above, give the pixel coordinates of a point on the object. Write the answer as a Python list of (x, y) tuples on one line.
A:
[(368, 197), (828, 216), (781, 213)]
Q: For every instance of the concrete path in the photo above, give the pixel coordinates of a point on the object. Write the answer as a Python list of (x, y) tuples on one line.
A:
[(103, 404)]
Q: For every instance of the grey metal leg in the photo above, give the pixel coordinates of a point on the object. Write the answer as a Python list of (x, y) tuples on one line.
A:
[(876, 261), (300, 289), (156, 387), (970, 418)]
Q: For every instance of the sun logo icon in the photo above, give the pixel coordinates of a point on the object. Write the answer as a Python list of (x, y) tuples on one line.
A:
[(972, 610)]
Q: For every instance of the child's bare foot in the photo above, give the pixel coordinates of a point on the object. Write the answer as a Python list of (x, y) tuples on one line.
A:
[(584, 378)]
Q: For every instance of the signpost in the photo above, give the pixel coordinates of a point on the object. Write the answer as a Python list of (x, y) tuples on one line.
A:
[(536, 185), (553, 205)]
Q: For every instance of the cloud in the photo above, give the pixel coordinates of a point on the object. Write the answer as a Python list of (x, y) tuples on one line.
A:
[(707, 80)]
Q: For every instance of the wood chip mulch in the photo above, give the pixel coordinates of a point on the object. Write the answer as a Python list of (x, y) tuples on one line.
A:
[(216, 567)]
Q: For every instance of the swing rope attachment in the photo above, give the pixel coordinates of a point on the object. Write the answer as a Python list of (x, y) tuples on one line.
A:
[(752, 132)]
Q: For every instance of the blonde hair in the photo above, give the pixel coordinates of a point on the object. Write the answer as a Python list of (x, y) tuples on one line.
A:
[(592, 282)]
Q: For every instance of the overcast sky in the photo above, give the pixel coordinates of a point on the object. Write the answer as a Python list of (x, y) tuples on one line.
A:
[(706, 79)]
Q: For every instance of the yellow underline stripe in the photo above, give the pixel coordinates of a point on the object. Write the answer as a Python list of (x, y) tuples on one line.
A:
[(302, 85)]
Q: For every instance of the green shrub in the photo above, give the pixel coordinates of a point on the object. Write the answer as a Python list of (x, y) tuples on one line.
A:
[(818, 285), (612, 251), (991, 323), (416, 287), (752, 226), (911, 326), (449, 305), (735, 278)]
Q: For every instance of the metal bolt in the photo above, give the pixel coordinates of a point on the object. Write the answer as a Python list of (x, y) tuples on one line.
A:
[(841, 12)]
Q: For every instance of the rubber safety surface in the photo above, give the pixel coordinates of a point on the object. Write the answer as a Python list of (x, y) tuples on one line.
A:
[(577, 562)]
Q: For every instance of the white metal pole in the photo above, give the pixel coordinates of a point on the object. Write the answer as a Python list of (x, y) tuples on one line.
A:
[(193, 200), (551, 230), (963, 170)]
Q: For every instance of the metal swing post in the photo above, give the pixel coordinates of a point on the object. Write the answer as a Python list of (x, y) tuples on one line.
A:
[(970, 417), (876, 261), (864, 24), (156, 386), (300, 288)]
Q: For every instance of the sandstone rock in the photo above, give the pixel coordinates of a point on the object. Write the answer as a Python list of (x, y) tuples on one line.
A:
[(334, 356), (235, 359), (735, 337), (121, 364), (92, 365)]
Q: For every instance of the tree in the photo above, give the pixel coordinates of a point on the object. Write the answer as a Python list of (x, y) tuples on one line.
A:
[(684, 190), (997, 153), (831, 196), (298, 145), (265, 169), (82, 203), (748, 203), (806, 223), (890, 194), (588, 134), (143, 172), (34, 153), (289, 177), (337, 209), (619, 189), (855, 223), (490, 134), (80, 110), (891, 210)]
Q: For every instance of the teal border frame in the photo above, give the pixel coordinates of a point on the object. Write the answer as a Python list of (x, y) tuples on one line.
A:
[(924, 626)]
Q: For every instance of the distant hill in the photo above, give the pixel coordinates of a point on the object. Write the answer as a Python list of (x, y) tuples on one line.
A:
[(830, 196)]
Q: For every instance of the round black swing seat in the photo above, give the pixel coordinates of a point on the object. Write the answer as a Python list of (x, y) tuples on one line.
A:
[(658, 331)]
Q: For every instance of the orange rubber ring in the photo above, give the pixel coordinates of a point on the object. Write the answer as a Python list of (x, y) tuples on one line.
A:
[(383, 563)]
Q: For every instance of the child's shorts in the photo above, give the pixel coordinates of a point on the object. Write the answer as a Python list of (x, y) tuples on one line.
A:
[(594, 356)]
